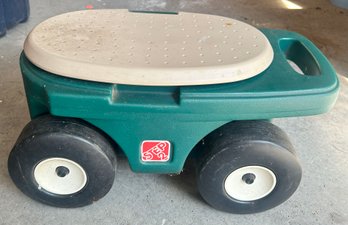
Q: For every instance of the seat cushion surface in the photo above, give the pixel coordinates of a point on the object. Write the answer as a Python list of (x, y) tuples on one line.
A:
[(118, 46)]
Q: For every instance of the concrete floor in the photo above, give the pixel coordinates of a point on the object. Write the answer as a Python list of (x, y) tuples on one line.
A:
[(321, 141)]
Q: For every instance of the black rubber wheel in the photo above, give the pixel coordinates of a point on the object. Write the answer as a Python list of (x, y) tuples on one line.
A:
[(247, 167), (62, 162)]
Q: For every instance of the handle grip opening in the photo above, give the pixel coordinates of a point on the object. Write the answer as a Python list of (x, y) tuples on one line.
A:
[(299, 57)]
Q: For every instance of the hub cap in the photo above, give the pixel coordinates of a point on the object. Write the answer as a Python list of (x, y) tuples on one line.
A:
[(60, 176), (250, 183)]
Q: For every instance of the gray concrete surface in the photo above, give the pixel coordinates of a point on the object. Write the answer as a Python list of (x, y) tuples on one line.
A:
[(321, 141)]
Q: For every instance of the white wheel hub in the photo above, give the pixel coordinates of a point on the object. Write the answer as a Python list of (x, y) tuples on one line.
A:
[(60, 176), (250, 183)]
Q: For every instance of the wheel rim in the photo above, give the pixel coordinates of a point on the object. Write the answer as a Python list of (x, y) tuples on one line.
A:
[(60, 176), (250, 183)]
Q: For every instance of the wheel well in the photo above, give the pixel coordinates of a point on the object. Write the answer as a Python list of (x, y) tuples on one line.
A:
[(117, 149), (199, 149)]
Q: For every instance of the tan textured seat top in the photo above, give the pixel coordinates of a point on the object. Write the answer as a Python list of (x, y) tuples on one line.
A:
[(122, 47)]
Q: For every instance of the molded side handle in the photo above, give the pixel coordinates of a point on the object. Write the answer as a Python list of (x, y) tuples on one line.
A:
[(302, 52)]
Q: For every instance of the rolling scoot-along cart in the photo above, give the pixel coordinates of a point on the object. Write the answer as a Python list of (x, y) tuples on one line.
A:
[(161, 87)]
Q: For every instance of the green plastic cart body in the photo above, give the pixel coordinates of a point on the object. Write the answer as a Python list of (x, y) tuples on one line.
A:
[(184, 115)]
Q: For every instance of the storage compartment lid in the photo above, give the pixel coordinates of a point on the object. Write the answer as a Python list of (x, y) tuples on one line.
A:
[(118, 46)]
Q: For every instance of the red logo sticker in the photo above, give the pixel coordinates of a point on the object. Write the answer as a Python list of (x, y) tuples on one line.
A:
[(155, 151)]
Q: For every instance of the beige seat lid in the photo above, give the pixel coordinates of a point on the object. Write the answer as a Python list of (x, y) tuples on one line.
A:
[(122, 47)]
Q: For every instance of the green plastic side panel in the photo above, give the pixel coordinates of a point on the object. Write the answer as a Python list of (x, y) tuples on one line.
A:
[(184, 115)]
